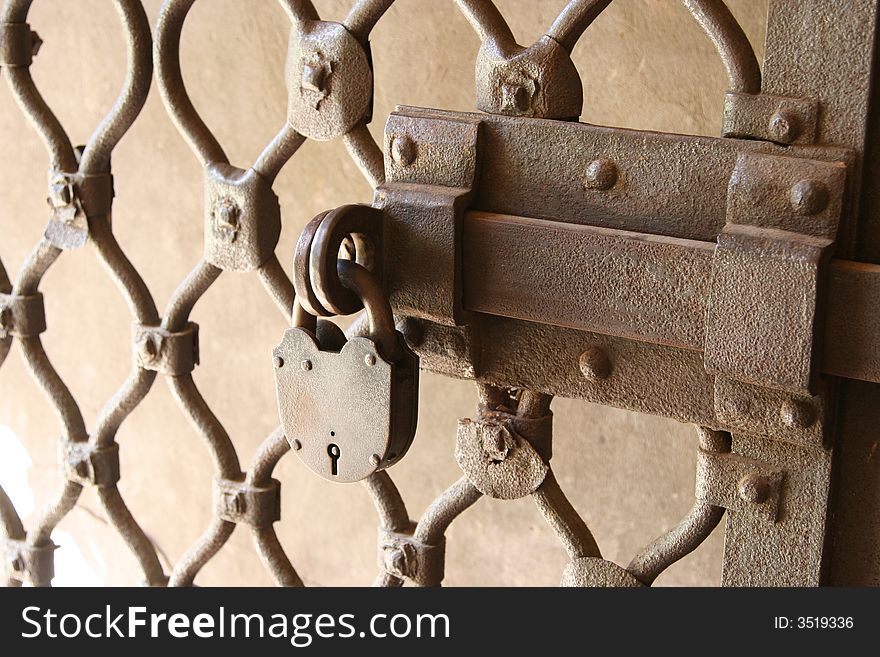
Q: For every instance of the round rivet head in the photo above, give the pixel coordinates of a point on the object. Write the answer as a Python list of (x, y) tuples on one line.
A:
[(808, 197), (783, 127), (296, 445), (754, 489), (306, 365), (403, 150), (600, 175), (278, 361), (370, 360), (375, 460), (797, 414), (594, 364)]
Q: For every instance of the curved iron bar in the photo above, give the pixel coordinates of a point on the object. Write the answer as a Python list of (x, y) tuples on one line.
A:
[(732, 44), (575, 18), (10, 528), (265, 539), (95, 160), (690, 533)]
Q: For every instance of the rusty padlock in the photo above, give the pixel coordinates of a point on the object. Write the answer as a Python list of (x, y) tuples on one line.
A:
[(348, 411)]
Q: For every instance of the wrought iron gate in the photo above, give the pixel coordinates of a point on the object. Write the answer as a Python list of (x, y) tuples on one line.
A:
[(724, 282)]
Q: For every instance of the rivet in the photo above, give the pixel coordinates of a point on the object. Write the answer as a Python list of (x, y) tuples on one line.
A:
[(375, 460), (514, 98), (296, 445), (149, 349), (783, 127), (306, 365), (797, 414), (403, 150), (314, 77), (808, 197), (370, 359), (595, 364), (278, 361), (412, 331), (601, 175), (36, 43), (395, 561), (754, 489)]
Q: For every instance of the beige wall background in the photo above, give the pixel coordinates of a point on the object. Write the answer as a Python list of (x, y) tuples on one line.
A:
[(645, 64)]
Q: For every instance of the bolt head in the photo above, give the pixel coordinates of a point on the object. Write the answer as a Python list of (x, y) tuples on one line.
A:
[(278, 362), (370, 360), (314, 77), (149, 349), (595, 364), (783, 127), (754, 489), (16, 563), (403, 150), (514, 98), (797, 414), (808, 197), (296, 445), (601, 175), (375, 460), (306, 365)]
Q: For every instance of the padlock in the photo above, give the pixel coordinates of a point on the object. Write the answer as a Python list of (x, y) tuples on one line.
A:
[(351, 410)]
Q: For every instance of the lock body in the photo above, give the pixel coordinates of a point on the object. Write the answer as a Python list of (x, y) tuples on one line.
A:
[(346, 413)]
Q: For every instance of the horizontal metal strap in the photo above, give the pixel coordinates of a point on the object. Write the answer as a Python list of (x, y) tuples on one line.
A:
[(646, 288)]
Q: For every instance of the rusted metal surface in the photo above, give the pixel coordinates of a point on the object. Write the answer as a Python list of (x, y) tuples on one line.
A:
[(709, 280)]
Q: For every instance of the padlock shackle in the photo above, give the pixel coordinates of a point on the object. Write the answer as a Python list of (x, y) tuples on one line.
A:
[(380, 317), (361, 281)]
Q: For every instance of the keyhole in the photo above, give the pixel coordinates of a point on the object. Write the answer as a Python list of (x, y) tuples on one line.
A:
[(334, 452)]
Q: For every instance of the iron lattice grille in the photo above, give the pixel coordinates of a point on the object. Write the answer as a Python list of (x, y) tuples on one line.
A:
[(242, 225)]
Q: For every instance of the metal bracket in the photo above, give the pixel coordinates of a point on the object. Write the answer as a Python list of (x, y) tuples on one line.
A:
[(329, 81), (763, 322), (739, 484), (239, 501), (29, 564), (538, 81), (87, 465), (431, 169), (401, 555), (73, 199), (242, 218), (18, 45), (22, 316), (781, 119), (166, 352)]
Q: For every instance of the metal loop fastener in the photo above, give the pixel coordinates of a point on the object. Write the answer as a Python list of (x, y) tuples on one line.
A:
[(29, 564), (22, 316), (402, 555), (87, 465), (239, 501), (73, 199), (173, 353), (316, 280), (18, 45)]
